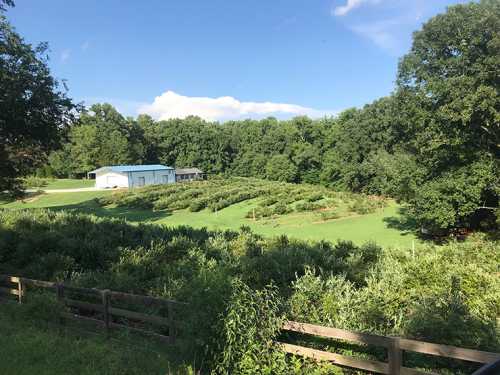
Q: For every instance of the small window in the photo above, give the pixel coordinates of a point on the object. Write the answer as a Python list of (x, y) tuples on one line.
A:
[(141, 181)]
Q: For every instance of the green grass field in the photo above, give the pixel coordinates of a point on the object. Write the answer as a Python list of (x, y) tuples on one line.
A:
[(382, 226), (28, 348), (67, 183)]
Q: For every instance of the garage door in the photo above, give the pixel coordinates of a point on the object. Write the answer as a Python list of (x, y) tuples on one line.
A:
[(112, 181)]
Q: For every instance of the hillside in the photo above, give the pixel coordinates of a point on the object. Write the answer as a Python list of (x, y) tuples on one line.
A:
[(269, 208)]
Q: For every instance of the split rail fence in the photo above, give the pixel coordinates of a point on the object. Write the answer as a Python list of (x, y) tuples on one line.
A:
[(104, 312), (395, 347), (106, 309)]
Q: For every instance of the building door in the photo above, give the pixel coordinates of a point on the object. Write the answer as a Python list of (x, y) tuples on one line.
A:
[(141, 181)]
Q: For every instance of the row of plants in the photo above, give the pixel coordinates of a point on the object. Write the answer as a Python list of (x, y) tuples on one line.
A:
[(240, 286), (272, 198)]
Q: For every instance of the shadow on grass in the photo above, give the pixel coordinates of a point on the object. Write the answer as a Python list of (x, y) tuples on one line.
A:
[(404, 222), (131, 214)]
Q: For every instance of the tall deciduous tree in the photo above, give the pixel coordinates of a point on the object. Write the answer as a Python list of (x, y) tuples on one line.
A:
[(450, 83), (33, 108)]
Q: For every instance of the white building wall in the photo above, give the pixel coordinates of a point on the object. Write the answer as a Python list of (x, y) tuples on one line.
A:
[(106, 179), (151, 177)]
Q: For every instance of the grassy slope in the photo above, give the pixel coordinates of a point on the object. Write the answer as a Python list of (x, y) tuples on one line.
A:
[(66, 183), (28, 349), (358, 229)]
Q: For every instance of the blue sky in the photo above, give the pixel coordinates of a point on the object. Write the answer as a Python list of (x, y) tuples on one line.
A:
[(225, 59)]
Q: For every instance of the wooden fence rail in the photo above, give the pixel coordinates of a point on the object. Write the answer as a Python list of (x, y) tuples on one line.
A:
[(104, 308), (394, 345)]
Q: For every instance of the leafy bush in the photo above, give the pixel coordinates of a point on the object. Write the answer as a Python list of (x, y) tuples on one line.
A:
[(307, 206), (223, 273), (329, 215), (32, 182), (198, 205), (281, 209), (314, 197)]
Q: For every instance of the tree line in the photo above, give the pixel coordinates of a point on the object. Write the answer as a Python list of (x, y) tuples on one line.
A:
[(434, 143)]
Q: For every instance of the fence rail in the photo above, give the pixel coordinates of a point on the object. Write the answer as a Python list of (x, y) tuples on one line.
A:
[(107, 311), (106, 307), (394, 345)]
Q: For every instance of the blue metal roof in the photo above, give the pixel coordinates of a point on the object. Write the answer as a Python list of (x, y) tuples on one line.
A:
[(133, 168)]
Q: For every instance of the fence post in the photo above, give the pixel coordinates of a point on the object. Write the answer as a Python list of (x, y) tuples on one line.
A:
[(395, 357), (20, 289), (105, 309), (171, 324), (60, 299)]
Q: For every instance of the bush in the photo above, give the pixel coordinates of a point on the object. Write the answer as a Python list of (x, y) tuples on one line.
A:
[(329, 215), (314, 197), (251, 323), (281, 209), (32, 182), (224, 278), (307, 206), (197, 205)]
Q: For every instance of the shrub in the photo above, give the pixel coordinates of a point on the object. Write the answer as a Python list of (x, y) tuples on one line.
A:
[(329, 215), (32, 182), (197, 205), (307, 206), (268, 202), (314, 197), (363, 206), (281, 209), (251, 323)]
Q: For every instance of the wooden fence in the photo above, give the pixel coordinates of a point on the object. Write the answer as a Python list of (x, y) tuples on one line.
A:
[(394, 345), (106, 311)]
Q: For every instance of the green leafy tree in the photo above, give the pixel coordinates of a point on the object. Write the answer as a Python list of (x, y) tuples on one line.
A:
[(449, 83), (280, 168), (34, 108)]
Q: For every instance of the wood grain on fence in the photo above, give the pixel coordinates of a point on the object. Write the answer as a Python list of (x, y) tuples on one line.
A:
[(104, 308), (395, 347)]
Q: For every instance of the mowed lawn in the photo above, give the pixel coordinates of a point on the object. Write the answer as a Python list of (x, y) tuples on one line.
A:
[(381, 227), (306, 225), (68, 183)]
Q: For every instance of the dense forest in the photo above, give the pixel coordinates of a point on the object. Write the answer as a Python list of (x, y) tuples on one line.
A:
[(434, 143)]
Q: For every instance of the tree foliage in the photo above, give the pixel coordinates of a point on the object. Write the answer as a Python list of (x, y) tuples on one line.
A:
[(434, 143), (34, 109)]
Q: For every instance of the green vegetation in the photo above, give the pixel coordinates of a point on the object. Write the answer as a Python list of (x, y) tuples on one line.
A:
[(433, 143), (239, 285), (331, 216), (273, 199), (433, 146), (31, 346), (32, 182), (34, 109)]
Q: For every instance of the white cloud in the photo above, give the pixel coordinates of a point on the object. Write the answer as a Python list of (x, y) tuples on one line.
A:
[(65, 55), (172, 105), (383, 33), (342, 10)]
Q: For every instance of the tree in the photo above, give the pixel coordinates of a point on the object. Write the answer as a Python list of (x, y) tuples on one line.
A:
[(280, 168), (449, 83), (34, 110), (5, 3), (102, 137)]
